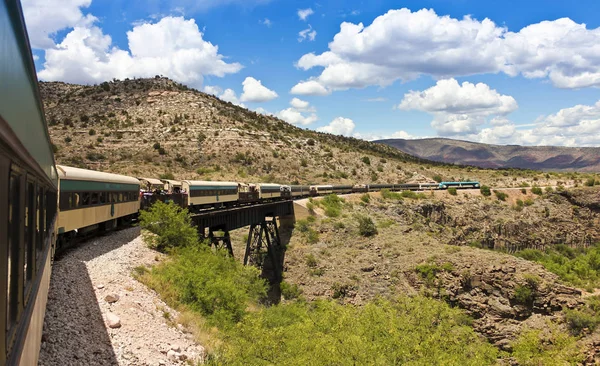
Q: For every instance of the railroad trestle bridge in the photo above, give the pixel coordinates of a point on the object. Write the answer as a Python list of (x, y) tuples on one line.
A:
[(263, 234)]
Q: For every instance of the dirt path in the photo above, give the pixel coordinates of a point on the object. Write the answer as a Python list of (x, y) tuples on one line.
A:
[(85, 282)]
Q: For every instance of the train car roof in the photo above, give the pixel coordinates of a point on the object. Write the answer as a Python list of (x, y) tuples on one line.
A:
[(322, 186), (71, 173), (173, 182), (21, 105), (269, 184), (467, 182), (152, 181), (209, 183)]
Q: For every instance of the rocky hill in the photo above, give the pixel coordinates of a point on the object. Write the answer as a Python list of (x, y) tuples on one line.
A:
[(548, 158), (152, 127)]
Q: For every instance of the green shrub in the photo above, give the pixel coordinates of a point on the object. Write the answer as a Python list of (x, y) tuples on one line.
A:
[(549, 347), (386, 194), (549, 190), (578, 321), (411, 330), (438, 178), (580, 267), (290, 291), (485, 191), (168, 226), (528, 202), (366, 198), (523, 294), (366, 226), (536, 190), (68, 139), (332, 205), (212, 284), (366, 160), (452, 191), (523, 190), (500, 195), (304, 162), (590, 182), (92, 132), (311, 261)]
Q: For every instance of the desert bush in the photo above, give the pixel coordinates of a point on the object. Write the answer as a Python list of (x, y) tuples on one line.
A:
[(212, 284), (500, 195), (366, 198), (546, 347), (485, 191), (68, 139), (411, 330), (590, 182), (167, 175), (387, 194), (92, 132), (580, 320), (536, 190), (311, 260), (580, 267), (452, 191), (366, 226), (290, 291), (438, 178), (332, 205), (366, 160), (168, 226)]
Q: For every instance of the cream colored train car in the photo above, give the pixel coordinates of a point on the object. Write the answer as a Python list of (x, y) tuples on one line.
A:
[(89, 199), (269, 190), (207, 193)]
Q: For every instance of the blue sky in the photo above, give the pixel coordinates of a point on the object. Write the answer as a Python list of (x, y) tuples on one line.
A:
[(511, 72)]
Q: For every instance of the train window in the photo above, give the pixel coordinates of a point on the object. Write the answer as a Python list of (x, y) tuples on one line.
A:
[(120, 197), (102, 197), (14, 238), (76, 200), (95, 198), (40, 235), (85, 198), (29, 237)]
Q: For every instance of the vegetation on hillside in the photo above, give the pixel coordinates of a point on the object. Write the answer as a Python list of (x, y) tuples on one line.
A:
[(577, 266)]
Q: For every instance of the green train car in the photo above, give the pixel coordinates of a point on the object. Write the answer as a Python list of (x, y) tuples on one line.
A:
[(28, 196)]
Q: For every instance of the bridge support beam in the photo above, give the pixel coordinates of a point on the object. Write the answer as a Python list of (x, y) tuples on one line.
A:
[(220, 241), (264, 235)]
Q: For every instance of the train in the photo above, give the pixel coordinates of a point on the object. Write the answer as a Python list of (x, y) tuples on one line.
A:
[(28, 198), (44, 206)]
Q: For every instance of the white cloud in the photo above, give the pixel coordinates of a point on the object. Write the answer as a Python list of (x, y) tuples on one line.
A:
[(459, 109), (230, 96), (173, 47), (402, 45), (574, 126), (304, 13), (212, 89), (266, 22), (300, 113), (339, 126), (299, 103), (46, 17), (307, 33), (295, 117), (254, 91), (227, 95), (309, 87), (377, 99)]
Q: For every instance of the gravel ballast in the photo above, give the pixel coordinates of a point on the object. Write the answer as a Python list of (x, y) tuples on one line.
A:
[(98, 314)]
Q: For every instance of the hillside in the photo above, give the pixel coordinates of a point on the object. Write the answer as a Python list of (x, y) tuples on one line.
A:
[(548, 158), (149, 127), (153, 127)]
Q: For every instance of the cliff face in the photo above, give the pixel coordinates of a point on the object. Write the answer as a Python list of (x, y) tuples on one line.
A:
[(586, 159)]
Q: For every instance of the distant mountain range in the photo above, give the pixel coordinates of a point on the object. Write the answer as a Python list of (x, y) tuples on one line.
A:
[(555, 158)]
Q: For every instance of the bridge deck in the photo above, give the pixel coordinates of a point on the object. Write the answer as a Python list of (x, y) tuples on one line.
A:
[(241, 216)]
